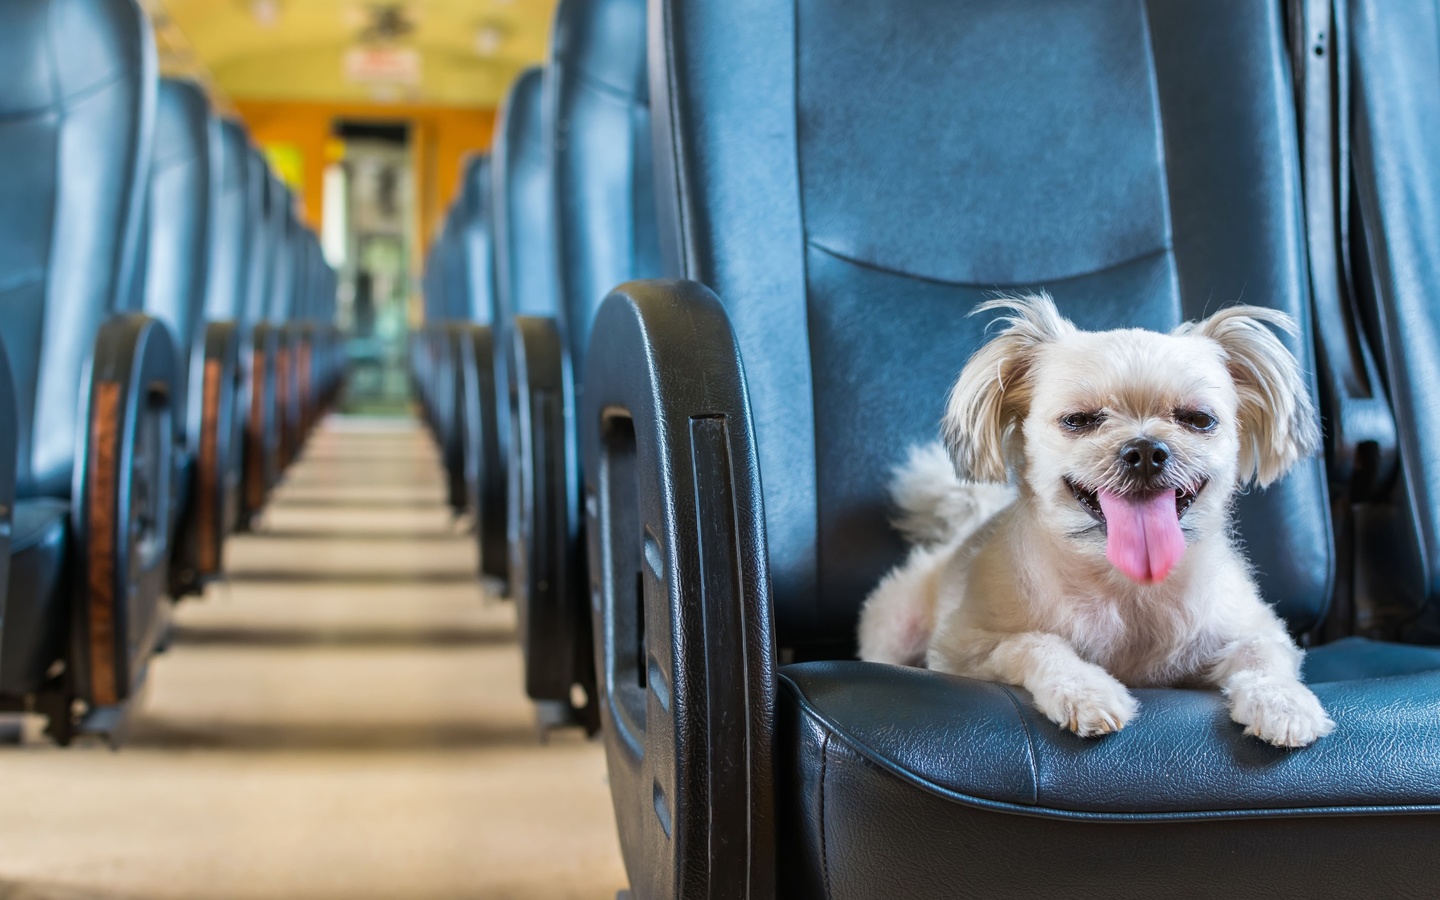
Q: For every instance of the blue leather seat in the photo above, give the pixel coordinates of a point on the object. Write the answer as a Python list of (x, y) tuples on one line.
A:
[(454, 313), (598, 146), (261, 440), (226, 291), (90, 546), (280, 306), (1395, 252), (183, 218), (524, 241), (1139, 160), (484, 473)]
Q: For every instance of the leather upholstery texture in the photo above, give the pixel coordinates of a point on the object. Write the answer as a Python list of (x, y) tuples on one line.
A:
[(35, 614), (1140, 161), (598, 147), (1107, 191), (478, 241), (77, 112), (885, 770), (265, 223), (75, 130), (184, 181), (524, 210), (280, 298), (601, 156), (1395, 59), (231, 226)]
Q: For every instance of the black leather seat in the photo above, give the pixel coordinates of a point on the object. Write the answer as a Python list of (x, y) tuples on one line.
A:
[(1140, 161), (183, 216), (90, 546), (597, 121)]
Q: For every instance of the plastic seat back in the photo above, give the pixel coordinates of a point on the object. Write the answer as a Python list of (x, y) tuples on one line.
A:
[(1138, 160)]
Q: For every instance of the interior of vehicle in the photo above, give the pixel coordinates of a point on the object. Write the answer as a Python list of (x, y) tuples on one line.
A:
[(453, 448)]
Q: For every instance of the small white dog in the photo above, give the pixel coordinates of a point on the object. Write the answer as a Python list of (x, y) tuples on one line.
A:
[(1086, 543)]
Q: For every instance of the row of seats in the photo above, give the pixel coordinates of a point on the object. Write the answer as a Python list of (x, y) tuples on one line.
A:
[(562, 210), (834, 189), (165, 321)]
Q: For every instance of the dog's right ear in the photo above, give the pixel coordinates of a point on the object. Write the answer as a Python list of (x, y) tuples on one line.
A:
[(992, 396)]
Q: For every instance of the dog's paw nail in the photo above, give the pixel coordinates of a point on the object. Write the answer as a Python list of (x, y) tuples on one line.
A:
[(1091, 709), (1285, 715)]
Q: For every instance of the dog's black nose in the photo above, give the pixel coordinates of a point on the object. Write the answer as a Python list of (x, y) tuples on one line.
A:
[(1145, 458)]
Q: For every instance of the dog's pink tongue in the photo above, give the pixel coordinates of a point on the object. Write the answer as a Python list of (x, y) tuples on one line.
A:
[(1143, 537)]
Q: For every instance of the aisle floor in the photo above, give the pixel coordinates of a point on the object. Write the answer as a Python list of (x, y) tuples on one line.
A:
[(344, 718)]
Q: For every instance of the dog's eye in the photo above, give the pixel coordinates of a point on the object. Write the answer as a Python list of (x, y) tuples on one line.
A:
[(1082, 421), (1196, 420)]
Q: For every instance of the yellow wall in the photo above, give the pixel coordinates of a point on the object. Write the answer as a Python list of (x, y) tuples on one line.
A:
[(441, 137)]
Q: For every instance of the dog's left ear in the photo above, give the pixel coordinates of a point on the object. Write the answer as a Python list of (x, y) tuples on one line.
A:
[(992, 396), (1278, 425)]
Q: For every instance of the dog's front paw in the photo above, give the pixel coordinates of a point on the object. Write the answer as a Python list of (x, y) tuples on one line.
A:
[(1090, 705), (1283, 713)]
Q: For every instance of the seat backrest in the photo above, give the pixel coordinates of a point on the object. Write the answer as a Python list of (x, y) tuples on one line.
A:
[(75, 135), (265, 204), (1395, 59), (853, 177), (230, 227), (600, 152), (434, 296), (184, 182), (478, 242), (524, 238), (281, 299), (455, 269)]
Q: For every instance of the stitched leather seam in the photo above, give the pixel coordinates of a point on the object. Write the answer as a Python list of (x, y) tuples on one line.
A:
[(1041, 812), (600, 86), (824, 856), (930, 279), (61, 106), (21, 284), (1029, 744)]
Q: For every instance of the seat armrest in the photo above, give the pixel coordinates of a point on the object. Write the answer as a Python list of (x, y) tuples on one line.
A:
[(212, 504), (123, 486), (680, 593), (546, 563), (9, 434)]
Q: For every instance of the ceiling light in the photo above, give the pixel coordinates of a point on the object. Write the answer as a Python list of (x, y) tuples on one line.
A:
[(488, 39), (266, 12)]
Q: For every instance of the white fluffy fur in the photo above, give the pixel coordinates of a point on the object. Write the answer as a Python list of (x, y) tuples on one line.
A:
[(1008, 579)]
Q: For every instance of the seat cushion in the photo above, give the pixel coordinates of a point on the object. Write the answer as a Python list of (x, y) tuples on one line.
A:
[(35, 607), (924, 757)]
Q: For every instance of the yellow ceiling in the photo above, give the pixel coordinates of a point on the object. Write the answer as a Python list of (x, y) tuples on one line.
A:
[(469, 50)]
